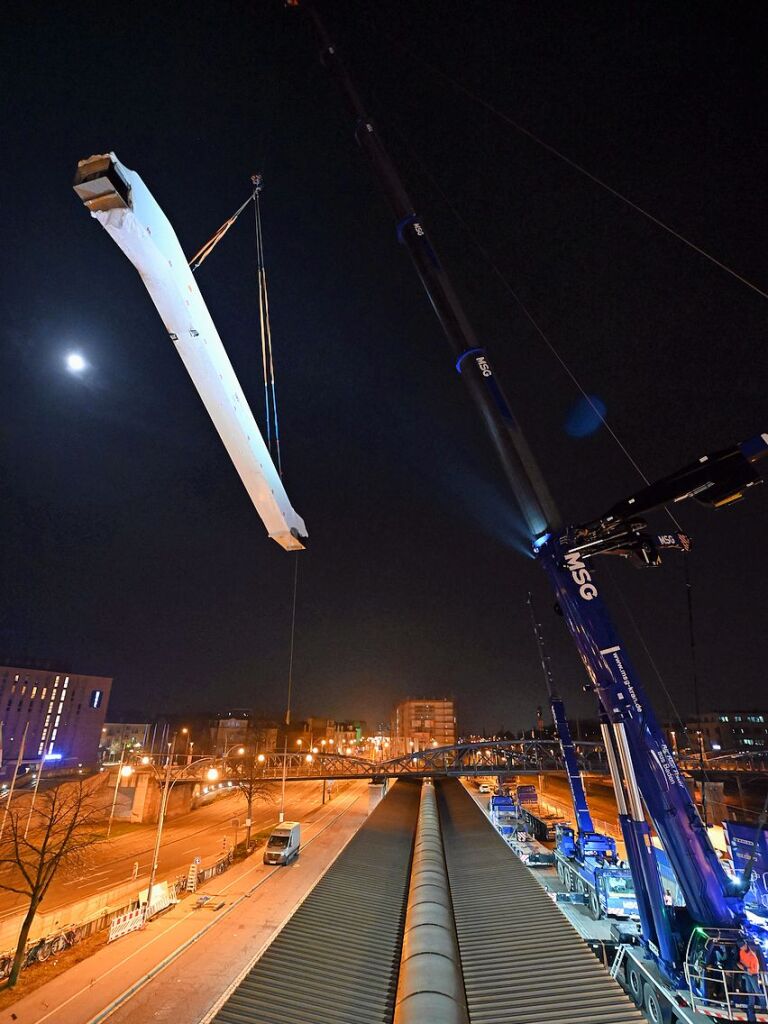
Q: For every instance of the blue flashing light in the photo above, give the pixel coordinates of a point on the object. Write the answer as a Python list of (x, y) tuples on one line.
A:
[(539, 543), (469, 352), (52, 757), (403, 224)]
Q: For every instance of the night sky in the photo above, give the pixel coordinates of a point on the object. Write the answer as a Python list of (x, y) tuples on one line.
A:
[(130, 546)]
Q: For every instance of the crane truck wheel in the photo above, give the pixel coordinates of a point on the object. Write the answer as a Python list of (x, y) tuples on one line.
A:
[(594, 906), (656, 1012), (635, 984), (560, 871)]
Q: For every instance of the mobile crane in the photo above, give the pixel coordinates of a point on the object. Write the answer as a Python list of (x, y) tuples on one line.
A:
[(587, 860), (687, 964)]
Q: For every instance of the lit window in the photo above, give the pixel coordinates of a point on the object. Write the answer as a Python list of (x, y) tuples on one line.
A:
[(34, 691), (95, 701)]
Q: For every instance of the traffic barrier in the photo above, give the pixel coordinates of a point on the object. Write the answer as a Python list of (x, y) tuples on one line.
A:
[(122, 924)]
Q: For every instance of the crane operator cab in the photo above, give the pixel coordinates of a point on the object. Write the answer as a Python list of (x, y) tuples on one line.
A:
[(726, 975)]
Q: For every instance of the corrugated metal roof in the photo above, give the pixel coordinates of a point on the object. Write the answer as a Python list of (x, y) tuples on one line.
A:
[(338, 958), (522, 960)]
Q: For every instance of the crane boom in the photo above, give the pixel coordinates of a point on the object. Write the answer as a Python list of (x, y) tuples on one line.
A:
[(648, 767), (578, 793), (472, 361), (127, 210)]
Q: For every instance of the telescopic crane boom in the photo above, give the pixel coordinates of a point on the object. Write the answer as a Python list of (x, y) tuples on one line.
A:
[(651, 775)]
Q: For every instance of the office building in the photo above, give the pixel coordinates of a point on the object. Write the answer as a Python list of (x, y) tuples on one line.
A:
[(722, 732), (62, 712)]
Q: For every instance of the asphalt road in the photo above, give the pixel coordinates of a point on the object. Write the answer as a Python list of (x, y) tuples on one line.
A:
[(200, 833), (183, 962), (600, 796)]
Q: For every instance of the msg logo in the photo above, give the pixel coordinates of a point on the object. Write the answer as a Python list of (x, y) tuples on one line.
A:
[(580, 575), (485, 369)]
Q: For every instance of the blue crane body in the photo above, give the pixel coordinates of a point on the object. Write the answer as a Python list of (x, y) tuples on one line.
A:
[(587, 860), (680, 950)]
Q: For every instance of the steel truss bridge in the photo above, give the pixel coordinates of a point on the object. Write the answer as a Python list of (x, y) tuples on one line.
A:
[(502, 757)]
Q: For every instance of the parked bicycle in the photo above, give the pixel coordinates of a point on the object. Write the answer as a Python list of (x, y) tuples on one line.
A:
[(41, 949)]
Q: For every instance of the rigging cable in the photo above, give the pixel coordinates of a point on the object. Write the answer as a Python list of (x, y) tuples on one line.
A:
[(270, 392), (257, 185), (290, 683), (267, 359), (553, 151), (695, 679), (486, 255), (651, 660)]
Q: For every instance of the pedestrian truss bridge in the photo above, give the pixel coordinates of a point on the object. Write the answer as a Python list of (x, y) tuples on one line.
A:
[(515, 757)]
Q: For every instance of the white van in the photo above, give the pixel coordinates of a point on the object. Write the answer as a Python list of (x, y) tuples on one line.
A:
[(283, 845)]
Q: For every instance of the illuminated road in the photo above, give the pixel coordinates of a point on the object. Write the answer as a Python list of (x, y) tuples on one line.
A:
[(199, 953), (197, 834)]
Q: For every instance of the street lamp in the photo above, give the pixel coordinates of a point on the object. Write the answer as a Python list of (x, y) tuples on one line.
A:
[(261, 759), (168, 785), (212, 774), (123, 772)]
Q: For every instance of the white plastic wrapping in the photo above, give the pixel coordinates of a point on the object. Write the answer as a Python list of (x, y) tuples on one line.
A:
[(146, 237)]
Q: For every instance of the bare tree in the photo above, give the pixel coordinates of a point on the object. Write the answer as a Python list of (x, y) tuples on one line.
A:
[(67, 820), (249, 779)]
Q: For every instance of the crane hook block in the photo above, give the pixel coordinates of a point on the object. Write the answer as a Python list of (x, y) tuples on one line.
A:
[(126, 209)]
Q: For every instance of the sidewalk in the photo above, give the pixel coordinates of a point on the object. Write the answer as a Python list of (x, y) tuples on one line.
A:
[(141, 977)]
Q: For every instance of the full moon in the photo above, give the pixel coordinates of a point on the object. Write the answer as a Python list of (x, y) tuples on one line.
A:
[(75, 362)]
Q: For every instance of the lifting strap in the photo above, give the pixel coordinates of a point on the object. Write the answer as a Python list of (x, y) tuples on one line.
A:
[(205, 251), (268, 365)]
